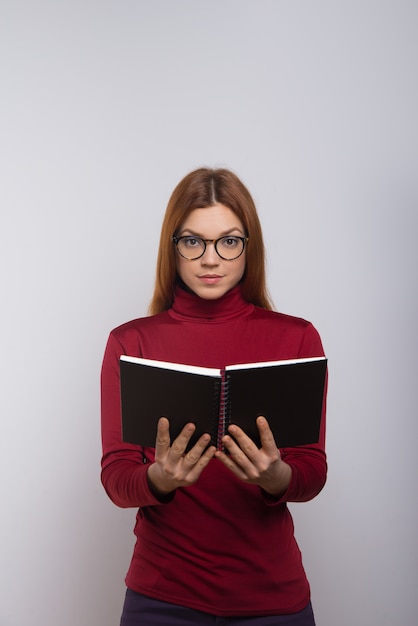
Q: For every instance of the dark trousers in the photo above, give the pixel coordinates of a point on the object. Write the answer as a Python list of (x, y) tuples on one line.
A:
[(139, 610)]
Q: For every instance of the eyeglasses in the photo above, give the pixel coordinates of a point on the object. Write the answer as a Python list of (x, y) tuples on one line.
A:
[(228, 248)]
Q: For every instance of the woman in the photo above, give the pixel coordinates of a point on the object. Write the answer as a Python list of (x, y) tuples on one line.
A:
[(215, 539)]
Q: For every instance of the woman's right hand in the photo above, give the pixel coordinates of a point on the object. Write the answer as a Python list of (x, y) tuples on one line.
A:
[(173, 467)]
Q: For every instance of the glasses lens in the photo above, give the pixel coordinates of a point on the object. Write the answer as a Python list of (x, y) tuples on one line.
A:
[(190, 247), (229, 247)]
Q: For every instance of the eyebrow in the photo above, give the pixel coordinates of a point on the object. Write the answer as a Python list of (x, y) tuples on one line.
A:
[(229, 231)]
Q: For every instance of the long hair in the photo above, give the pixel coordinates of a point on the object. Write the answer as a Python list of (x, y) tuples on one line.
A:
[(203, 188)]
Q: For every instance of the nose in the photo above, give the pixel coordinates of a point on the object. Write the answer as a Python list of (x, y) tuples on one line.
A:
[(210, 256)]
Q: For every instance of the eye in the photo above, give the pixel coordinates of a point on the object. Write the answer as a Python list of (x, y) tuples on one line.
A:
[(230, 242), (191, 242)]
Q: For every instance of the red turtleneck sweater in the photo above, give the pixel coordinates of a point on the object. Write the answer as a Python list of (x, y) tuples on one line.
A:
[(219, 546)]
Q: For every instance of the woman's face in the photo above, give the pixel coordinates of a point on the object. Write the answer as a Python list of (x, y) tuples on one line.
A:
[(210, 276)]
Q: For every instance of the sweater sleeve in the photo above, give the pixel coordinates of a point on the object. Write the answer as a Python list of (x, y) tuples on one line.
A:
[(308, 463), (124, 466)]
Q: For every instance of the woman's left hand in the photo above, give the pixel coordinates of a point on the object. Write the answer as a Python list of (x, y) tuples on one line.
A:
[(259, 466)]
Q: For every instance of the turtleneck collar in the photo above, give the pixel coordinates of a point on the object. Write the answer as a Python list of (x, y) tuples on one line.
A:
[(187, 306)]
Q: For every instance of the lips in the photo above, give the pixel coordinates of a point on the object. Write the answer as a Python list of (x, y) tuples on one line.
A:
[(210, 279)]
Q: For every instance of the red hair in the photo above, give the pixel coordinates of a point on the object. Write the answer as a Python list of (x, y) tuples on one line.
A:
[(200, 189)]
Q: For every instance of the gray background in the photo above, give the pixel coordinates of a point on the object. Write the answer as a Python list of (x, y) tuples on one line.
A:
[(105, 105)]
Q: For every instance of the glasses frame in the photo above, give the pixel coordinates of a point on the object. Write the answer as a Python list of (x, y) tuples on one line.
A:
[(212, 241)]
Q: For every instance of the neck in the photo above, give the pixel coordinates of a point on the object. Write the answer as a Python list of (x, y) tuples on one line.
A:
[(188, 306)]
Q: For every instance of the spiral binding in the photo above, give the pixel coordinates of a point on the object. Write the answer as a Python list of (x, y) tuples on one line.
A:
[(223, 411), (216, 412)]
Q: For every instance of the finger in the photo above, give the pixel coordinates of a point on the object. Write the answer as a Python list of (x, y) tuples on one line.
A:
[(162, 441), (195, 453), (180, 443), (228, 461), (266, 436), (242, 452), (202, 461), (245, 443)]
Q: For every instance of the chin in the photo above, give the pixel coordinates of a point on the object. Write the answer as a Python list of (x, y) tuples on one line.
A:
[(210, 293)]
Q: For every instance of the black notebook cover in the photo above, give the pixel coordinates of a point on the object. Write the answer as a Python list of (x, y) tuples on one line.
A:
[(289, 395), (150, 392)]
